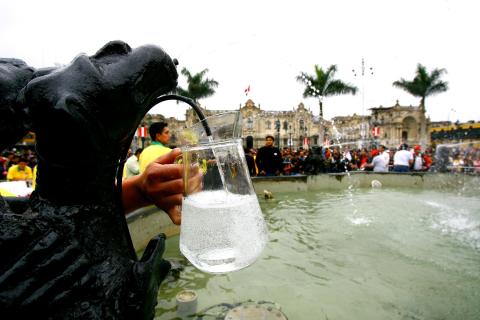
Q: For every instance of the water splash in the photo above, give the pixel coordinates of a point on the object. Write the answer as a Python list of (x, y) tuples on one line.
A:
[(459, 223), (360, 221)]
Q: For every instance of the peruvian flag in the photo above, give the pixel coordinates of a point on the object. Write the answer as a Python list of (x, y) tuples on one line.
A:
[(247, 90), (376, 131), (142, 132), (305, 142)]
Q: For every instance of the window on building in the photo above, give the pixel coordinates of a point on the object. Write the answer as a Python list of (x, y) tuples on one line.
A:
[(302, 124), (249, 142), (277, 125), (268, 124), (285, 125), (249, 123)]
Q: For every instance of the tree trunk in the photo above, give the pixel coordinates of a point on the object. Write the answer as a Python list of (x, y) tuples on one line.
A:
[(322, 124), (423, 125)]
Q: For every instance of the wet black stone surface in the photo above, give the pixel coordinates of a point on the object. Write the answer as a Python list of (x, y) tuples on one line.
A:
[(66, 252)]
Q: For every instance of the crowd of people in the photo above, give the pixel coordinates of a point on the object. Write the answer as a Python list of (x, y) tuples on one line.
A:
[(271, 161), (20, 164)]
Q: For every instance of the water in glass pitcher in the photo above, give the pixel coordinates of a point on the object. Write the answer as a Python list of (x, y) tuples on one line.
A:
[(221, 231)]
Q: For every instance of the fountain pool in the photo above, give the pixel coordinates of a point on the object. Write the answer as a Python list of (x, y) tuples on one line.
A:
[(354, 254)]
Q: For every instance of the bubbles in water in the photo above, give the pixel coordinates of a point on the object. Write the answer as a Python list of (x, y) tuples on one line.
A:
[(357, 219), (456, 222), (360, 220), (222, 232)]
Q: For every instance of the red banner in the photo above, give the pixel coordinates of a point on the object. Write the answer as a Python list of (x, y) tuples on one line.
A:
[(376, 131), (247, 90), (142, 132), (305, 142)]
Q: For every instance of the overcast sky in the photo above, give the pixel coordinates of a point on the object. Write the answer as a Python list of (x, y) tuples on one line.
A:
[(266, 44)]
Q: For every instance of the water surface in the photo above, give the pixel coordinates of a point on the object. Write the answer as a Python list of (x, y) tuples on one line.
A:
[(355, 254)]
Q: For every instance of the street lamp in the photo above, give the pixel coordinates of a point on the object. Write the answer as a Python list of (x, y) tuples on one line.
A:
[(448, 117), (362, 74)]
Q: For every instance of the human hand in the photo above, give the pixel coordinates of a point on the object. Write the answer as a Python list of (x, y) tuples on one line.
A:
[(161, 184)]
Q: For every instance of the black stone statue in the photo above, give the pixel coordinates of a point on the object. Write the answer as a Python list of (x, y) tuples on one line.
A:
[(69, 255)]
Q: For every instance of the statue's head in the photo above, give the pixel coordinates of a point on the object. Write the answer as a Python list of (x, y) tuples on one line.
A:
[(85, 113), (90, 107)]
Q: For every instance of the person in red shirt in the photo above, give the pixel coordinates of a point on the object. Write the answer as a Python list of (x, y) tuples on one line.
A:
[(427, 159), (363, 158)]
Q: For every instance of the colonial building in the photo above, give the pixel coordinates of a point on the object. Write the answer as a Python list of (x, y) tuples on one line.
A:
[(293, 129), (399, 124), (390, 126), (349, 129), (297, 128)]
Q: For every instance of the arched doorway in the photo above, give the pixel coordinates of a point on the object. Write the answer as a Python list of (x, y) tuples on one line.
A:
[(249, 142), (410, 130)]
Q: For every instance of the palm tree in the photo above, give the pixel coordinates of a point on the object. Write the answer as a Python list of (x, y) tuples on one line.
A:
[(423, 85), (322, 84), (198, 87)]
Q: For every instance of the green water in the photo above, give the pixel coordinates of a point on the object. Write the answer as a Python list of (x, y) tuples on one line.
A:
[(357, 254)]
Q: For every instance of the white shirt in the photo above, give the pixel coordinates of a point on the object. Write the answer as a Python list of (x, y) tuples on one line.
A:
[(386, 155), (131, 166), (379, 164), (348, 156), (402, 158), (418, 164)]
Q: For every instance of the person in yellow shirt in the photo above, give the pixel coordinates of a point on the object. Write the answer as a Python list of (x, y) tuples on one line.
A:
[(34, 177), (160, 135), (20, 172)]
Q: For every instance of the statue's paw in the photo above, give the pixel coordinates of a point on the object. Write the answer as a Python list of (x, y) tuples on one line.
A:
[(149, 272), (46, 273), (152, 262)]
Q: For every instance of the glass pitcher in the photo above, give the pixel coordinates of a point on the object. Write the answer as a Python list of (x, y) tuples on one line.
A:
[(222, 228)]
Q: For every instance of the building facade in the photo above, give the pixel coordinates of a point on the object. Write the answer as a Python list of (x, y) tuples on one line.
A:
[(291, 129), (390, 126), (446, 132), (299, 128)]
